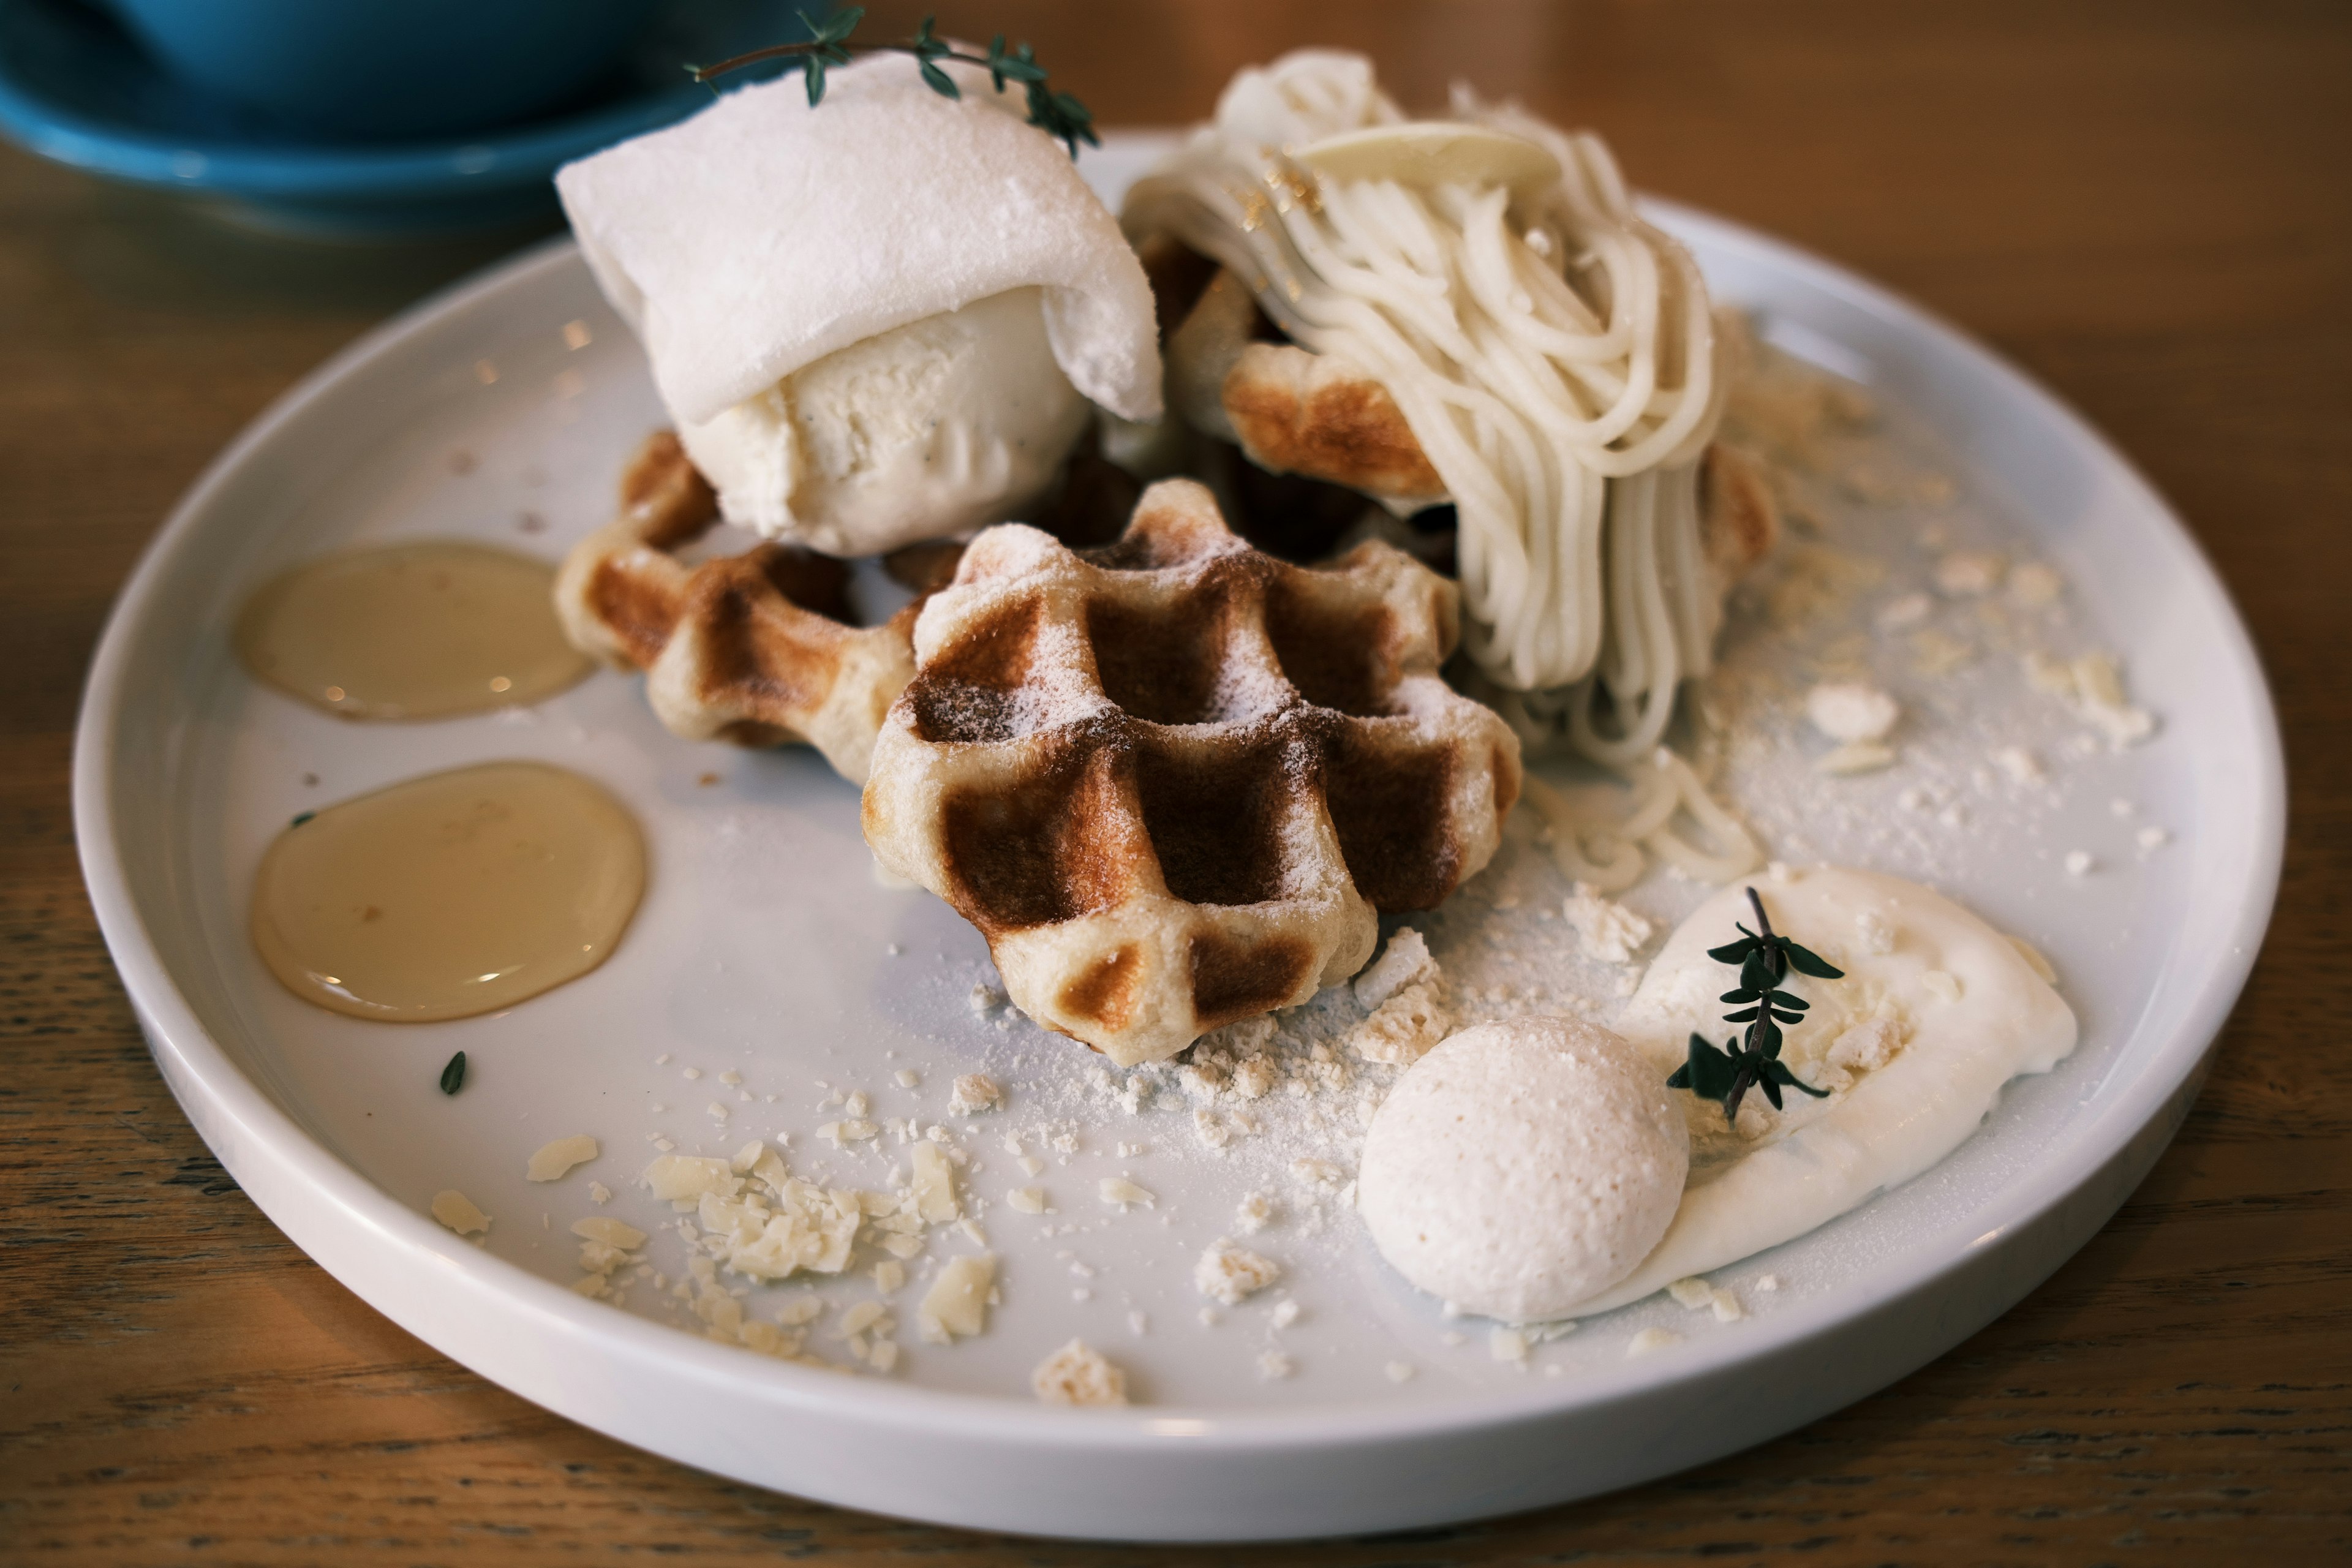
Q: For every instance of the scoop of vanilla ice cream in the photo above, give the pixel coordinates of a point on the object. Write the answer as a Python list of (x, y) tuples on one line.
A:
[(1523, 1165), (950, 423)]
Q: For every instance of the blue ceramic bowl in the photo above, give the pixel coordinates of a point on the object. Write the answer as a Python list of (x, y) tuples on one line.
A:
[(387, 67), (76, 89)]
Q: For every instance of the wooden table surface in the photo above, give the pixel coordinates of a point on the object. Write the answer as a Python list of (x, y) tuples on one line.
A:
[(2147, 206)]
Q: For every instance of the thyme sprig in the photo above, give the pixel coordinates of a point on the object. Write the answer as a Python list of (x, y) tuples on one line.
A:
[(1058, 114), (1765, 958)]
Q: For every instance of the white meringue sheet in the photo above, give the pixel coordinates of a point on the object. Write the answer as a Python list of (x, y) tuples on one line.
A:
[(762, 234)]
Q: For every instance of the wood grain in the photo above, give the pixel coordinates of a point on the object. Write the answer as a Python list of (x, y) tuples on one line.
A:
[(2144, 203)]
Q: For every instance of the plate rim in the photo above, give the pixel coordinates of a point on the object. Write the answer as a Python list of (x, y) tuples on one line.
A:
[(196, 1064)]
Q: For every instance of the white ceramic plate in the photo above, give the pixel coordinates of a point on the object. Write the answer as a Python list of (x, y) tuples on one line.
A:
[(765, 946)]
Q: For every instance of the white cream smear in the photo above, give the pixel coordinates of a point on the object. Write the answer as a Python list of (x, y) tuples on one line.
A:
[(1936, 1011)]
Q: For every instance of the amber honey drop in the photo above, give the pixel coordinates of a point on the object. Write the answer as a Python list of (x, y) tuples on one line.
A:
[(428, 630), (449, 895)]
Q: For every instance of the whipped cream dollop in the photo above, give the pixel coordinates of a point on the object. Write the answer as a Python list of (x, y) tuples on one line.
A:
[(1522, 1166)]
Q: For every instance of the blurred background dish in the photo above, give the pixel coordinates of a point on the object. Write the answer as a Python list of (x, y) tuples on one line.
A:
[(387, 67), (460, 130)]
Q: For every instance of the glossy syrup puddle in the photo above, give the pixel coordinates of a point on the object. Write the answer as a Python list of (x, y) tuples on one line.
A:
[(427, 630), (449, 895)]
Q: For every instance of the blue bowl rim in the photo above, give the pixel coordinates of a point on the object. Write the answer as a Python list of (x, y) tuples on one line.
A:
[(514, 155)]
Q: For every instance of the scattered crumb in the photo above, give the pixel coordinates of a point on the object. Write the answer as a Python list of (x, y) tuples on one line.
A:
[(1285, 1313), (1273, 1365), (1027, 1200), (906, 1077), (2019, 764), (1506, 1343), (552, 1160), (1322, 1174), (1865, 1047), (1124, 1194), (1405, 963), (973, 1093), (956, 1306), (1851, 711), (1767, 1282), (1256, 1210), (1650, 1339), (933, 1185), (1692, 1294), (1077, 1375), (1402, 1028), (1610, 931), (455, 1210), (2093, 686), (2079, 863), (1254, 1078), (1228, 1273), (1855, 757), (1872, 929)]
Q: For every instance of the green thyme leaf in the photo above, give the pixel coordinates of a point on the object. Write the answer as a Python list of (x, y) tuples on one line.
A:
[(838, 25), (1706, 1072), (1777, 1072), (1764, 958), (1810, 963), (453, 1077), (1059, 114)]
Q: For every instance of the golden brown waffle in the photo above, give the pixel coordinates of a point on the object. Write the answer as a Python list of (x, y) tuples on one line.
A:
[(1172, 779), (1232, 375), (758, 648)]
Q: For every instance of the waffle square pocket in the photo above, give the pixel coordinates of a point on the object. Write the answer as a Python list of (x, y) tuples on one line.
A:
[(759, 648)]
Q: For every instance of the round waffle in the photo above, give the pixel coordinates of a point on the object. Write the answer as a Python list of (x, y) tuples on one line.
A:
[(758, 648), (1171, 779), (1293, 411)]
